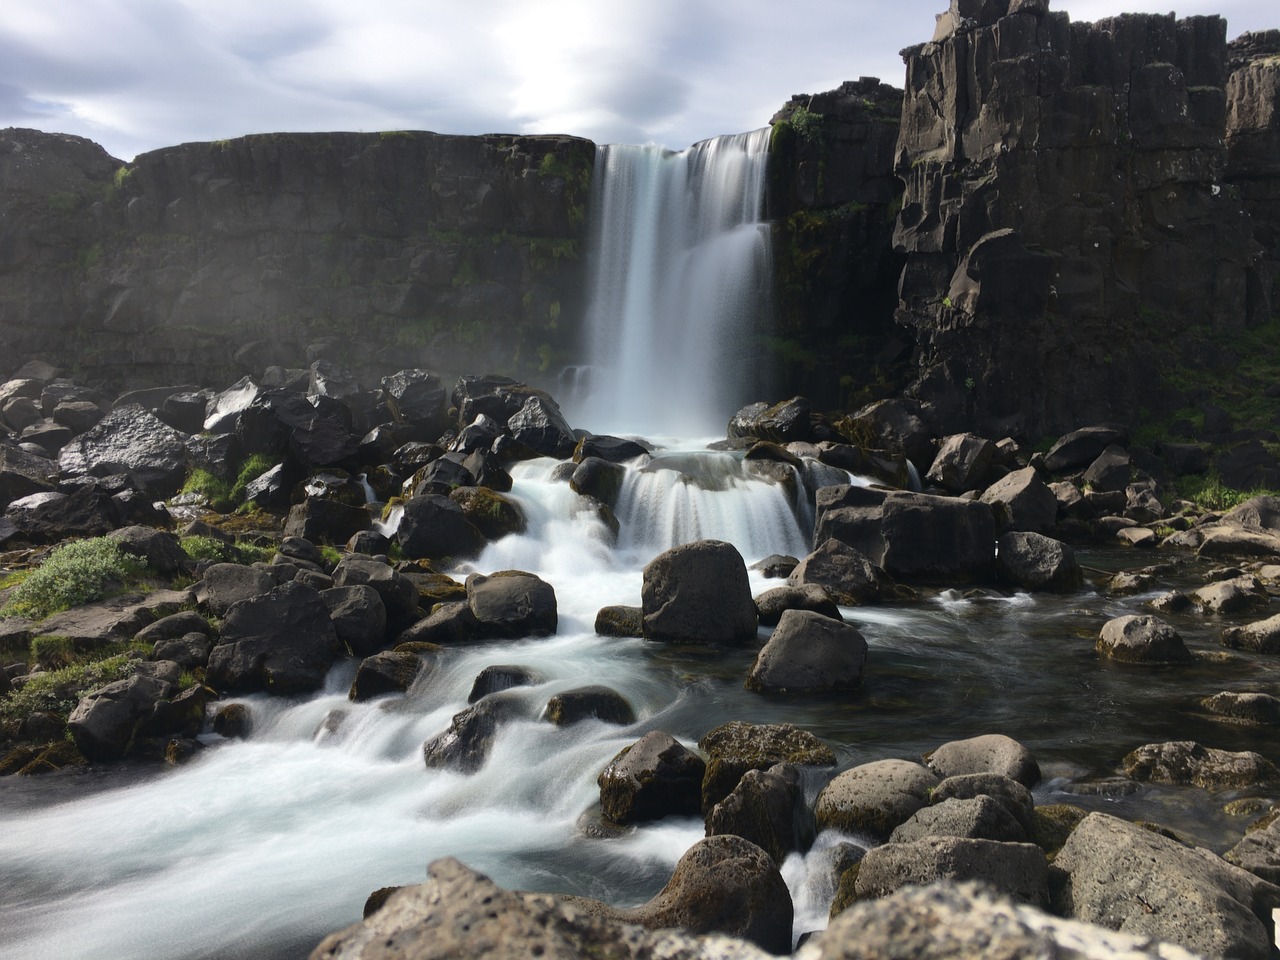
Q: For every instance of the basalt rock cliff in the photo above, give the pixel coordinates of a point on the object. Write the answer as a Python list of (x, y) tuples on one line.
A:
[(205, 261)]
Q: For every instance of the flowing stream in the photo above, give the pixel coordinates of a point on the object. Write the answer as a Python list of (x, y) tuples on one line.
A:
[(258, 848)]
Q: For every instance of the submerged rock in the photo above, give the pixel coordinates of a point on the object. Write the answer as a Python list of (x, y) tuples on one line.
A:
[(1141, 639), (1187, 762)]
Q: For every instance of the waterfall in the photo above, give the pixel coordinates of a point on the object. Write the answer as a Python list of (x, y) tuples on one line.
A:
[(679, 284)]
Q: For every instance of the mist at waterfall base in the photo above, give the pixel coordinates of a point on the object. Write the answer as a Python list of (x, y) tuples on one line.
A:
[(258, 848)]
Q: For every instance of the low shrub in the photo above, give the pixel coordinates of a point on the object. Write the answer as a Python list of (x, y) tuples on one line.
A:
[(59, 691), (74, 573)]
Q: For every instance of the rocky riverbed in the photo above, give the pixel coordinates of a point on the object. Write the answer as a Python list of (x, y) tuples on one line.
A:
[(858, 655)]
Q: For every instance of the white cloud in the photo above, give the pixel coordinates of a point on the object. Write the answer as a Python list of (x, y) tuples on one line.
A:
[(140, 74)]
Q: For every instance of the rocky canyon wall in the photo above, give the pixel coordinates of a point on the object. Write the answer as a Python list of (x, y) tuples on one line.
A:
[(1073, 228), (206, 261)]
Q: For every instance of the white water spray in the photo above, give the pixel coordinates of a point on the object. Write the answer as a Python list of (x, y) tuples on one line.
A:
[(680, 281)]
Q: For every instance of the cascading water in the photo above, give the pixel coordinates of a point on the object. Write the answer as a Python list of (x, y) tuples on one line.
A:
[(679, 285)]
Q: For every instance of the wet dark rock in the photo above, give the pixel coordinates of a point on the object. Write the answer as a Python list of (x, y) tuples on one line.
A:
[(465, 746), (499, 677), (540, 426), (780, 422), (159, 549), (653, 778), (399, 595), (494, 515), (441, 477), (512, 604), (1079, 448), (435, 527), (809, 652), (390, 671), (282, 641), (52, 517), (962, 463), (1174, 893), (620, 621), (609, 449), (130, 440), (1109, 471), (359, 617), (990, 753), (1036, 562), (734, 748), (768, 808), (1188, 762), (590, 703), (898, 425), (22, 474), (1141, 639), (773, 603), (874, 798), (447, 625), (326, 521), (936, 539), (226, 584), (598, 478), (776, 566), (417, 397), (104, 723), (1026, 500), (698, 593), (487, 467), (847, 575), (190, 650)]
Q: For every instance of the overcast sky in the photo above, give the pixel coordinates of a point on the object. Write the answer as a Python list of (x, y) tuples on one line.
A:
[(135, 75)]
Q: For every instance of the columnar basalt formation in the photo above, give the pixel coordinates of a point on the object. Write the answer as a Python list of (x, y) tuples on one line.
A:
[(1068, 227), (832, 198), (1253, 141), (383, 250)]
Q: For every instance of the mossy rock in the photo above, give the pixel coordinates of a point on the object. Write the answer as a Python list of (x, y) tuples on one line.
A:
[(490, 512), (734, 748), (1053, 823), (845, 895), (620, 621)]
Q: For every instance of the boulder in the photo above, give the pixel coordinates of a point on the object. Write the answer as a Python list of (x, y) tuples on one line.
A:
[(22, 474), (189, 651), (417, 397), (390, 671), (776, 566), (807, 653), (540, 426), (282, 642), (1124, 877), (768, 808), (1036, 562), (232, 721), (734, 748), (133, 441), (159, 549), (1261, 636), (990, 753), (847, 576), (976, 818), (399, 595), (321, 520), (1079, 448), (1009, 793), (104, 723), (494, 515), (1188, 762), (1024, 502), (813, 597), (512, 604), (435, 527), (448, 624), (874, 798), (1256, 708), (226, 584), (780, 422), (1017, 870), (698, 593), (937, 539), (593, 702), (172, 627), (1110, 470), (1237, 595), (499, 677), (896, 425), (653, 778), (962, 463), (598, 478), (608, 449), (1141, 639), (359, 617), (620, 621), (1258, 852), (949, 921), (53, 517), (465, 746)]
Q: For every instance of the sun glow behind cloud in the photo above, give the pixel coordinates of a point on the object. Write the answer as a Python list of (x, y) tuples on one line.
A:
[(139, 74)]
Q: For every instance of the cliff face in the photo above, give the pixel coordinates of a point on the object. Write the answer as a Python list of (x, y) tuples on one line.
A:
[(832, 197), (1069, 229), (1253, 142), (205, 261)]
